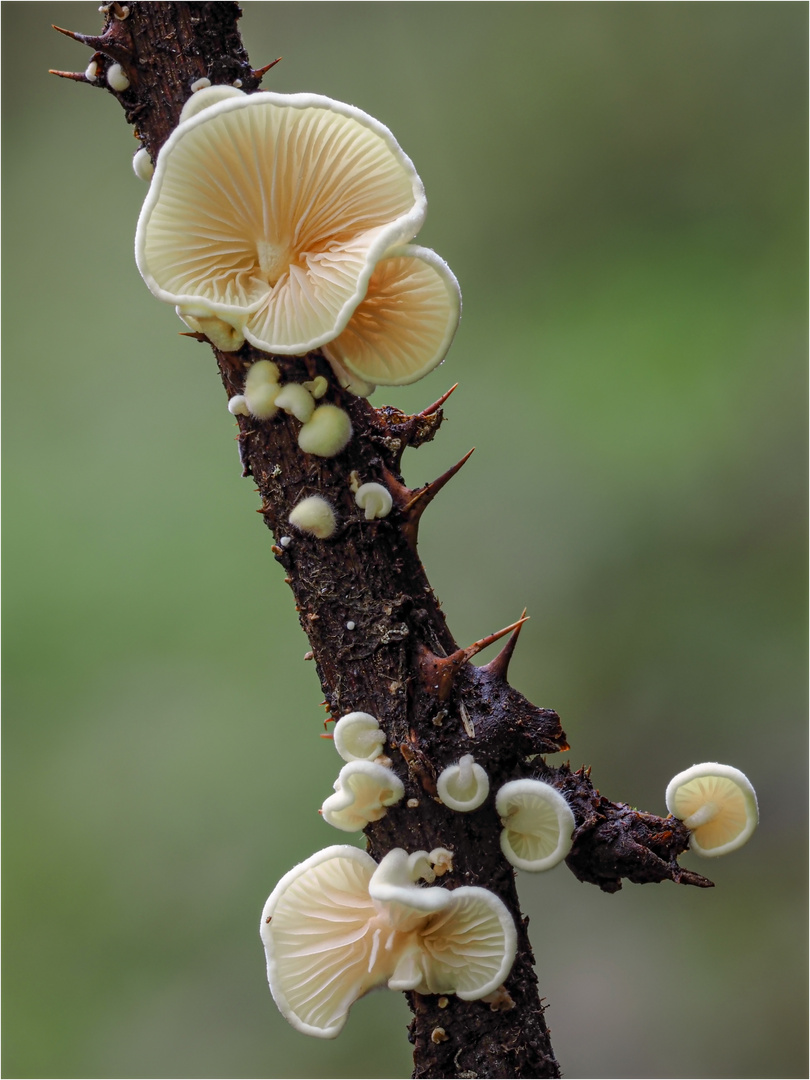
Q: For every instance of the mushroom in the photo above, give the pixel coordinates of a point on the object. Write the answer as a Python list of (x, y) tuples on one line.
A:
[(272, 211), (463, 786), (375, 500), (314, 515), (317, 386), (326, 433), (296, 400), (538, 824), (363, 793), (205, 96), (117, 79), (358, 737), (717, 803), (238, 406), (142, 164), (262, 389), (338, 925), (405, 324)]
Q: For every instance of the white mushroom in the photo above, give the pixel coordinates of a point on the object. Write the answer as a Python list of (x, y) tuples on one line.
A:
[(717, 803), (222, 335), (405, 324), (238, 406), (375, 500), (142, 165), (314, 515), (358, 737), (199, 84), (463, 786), (338, 925), (262, 388), (363, 793), (317, 386), (296, 400), (117, 79), (273, 211), (326, 433), (91, 71), (205, 97), (538, 824)]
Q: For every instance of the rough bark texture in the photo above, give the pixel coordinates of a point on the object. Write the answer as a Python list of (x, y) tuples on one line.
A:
[(398, 661)]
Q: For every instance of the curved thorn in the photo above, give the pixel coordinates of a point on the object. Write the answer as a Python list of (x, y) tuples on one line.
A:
[(431, 409), (499, 667), (421, 499)]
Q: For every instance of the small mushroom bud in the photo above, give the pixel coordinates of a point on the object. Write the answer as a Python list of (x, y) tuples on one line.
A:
[(326, 433), (375, 500), (116, 79), (142, 165), (262, 388), (314, 515), (237, 406), (297, 401)]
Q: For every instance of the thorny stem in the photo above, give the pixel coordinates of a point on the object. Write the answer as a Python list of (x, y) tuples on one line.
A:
[(399, 662)]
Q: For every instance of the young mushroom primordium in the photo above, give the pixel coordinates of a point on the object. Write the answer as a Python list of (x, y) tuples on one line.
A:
[(285, 220), (363, 792), (338, 925)]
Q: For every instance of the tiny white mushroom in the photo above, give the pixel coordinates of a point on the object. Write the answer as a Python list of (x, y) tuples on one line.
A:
[(205, 97), (363, 793), (297, 401), (237, 406), (463, 786), (717, 803), (262, 388), (317, 386), (285, 541), (358, 737), (237, 82), (142, 164), (314, 515), (326, 433), (441, 859), (117, 79), (200, 84), (350, 625), (538, 824), (91, 71), (375, 500)]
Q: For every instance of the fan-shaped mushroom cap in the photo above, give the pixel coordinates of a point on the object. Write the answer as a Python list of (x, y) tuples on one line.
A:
[(363, 793), (404, 326), (538, 824), (358, 737), (315, 929), (338, 925), (463, 786), (717, 803), (273, 210)]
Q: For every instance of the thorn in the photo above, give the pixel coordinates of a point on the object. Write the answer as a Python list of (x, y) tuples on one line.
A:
[(326, 734), (329, 720), (84, 38), (76, 76), (192, 334), (259, 73), (431, 409), (439, 672), (499, 667), (412, 504), (101, 43)]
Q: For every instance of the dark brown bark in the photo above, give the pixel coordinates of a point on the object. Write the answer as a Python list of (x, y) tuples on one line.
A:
[(398, 660)]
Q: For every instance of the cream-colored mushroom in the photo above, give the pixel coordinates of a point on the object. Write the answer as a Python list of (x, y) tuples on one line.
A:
[(314, 515), (296, 400), (375, 500), (205, 96), (463, 786), (273, 211), (538, 824), (326, 433), (221, 334), (142, 165), (238, 406), (358, 737), (366, 925), (117, 78), (363, 793), (405, 324), (717, 803), (262, 388)]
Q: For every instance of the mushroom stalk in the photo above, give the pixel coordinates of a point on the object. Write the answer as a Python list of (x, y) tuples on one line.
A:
[(378, 666)]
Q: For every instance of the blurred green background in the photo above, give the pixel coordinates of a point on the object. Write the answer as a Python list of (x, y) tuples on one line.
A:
[(620, 188)]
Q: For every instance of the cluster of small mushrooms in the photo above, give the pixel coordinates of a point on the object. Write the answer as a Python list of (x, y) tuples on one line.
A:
[(285, 221)]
